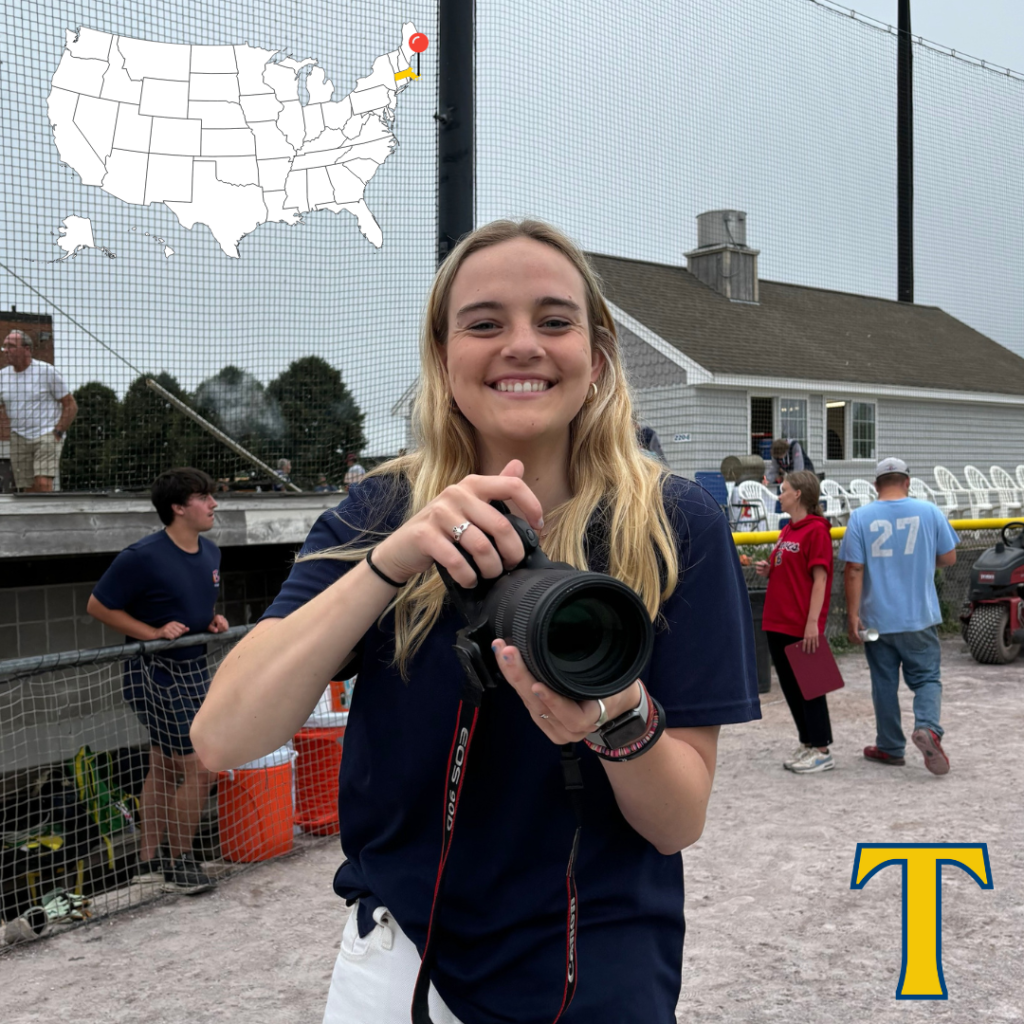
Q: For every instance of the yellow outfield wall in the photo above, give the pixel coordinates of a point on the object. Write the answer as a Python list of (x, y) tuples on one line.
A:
[(771, 536)]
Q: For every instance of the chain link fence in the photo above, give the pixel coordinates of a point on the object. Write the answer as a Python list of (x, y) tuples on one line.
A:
[(953, 583)]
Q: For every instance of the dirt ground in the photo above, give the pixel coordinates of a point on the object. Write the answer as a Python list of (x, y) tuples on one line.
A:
[(774, 931)]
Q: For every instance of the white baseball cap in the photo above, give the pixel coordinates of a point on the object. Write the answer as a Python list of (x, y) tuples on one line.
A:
[(891, 466)]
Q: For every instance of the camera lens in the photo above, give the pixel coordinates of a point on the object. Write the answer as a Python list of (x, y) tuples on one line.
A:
[(576, 631), (585, 634)]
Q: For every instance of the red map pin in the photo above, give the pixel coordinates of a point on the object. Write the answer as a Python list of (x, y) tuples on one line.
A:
[(418, 42)]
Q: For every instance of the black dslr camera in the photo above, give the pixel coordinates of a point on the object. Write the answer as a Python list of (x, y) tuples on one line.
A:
[(584, 634)]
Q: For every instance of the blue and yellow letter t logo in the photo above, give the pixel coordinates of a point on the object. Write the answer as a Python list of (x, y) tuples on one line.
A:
[(921, 976)]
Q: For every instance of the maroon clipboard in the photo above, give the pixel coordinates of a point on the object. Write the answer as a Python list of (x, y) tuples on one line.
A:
[(817, 673)]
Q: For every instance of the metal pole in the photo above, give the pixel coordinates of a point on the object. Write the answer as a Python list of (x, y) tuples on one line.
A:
[(455, 117), (219, 434), (904, 158), (121, 652)]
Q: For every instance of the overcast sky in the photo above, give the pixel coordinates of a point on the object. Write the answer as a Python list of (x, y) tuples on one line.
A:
[(990, 29), (619, 123)]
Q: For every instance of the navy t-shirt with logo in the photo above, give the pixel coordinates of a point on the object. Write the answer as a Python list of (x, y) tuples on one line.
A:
[(156, 582), (502, 917)]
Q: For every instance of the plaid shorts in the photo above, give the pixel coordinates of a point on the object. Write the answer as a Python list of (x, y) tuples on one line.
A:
[(166, 695)]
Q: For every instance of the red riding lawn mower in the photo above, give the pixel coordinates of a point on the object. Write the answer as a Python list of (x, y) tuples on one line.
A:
[(992, 619)]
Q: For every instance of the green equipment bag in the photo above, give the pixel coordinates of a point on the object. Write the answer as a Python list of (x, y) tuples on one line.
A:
[(111, 808)]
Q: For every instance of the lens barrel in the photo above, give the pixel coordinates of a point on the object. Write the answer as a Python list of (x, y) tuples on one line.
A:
[(585, 634)]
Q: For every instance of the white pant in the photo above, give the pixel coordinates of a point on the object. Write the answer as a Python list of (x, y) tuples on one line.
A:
[(374, 977)]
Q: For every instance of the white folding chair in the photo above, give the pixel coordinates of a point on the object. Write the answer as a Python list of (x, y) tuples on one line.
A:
[(863, 492), (745, 514), (763, 501), (920, 490), (955, 496), (835, 499), (981, 492), (1010, 498)]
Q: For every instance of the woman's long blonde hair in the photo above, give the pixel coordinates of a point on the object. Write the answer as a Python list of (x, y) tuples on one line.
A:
[(608, 473)]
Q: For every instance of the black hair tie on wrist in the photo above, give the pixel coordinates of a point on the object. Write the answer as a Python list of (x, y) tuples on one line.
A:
[(387, 579)]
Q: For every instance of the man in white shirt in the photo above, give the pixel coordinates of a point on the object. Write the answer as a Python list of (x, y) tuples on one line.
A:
[(40, 409)]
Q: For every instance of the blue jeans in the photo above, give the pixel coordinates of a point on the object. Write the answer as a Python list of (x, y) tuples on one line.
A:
[(920, 654)]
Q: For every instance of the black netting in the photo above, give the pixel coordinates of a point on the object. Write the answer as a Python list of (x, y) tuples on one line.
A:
[(298, 341), (301, 346)]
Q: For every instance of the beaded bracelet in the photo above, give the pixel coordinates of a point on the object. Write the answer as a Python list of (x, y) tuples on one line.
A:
[(655, 727)]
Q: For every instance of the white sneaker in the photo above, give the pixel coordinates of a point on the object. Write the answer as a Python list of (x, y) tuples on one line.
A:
[(797, 755), (812, 761)]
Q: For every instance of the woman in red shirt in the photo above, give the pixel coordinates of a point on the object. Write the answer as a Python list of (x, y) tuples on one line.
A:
[(796, 608)]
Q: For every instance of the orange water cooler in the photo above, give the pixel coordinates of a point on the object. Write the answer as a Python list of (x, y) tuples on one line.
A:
[(318, 749), (255, 808)]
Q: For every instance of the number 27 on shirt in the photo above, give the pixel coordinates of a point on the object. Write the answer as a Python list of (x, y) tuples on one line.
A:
[(883, 527)]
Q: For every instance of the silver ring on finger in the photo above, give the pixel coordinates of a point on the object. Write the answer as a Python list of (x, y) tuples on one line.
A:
[(544, 716), (602, 718), (460, 530)]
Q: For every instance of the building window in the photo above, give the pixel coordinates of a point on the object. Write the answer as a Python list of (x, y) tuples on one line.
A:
[(835, 431), (863, 430), (760, 425), (793, 420)]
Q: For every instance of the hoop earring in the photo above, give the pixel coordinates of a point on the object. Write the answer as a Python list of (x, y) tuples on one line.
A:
[(591, 394)]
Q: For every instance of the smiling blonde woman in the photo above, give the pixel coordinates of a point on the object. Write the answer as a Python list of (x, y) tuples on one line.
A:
[(523, 398)]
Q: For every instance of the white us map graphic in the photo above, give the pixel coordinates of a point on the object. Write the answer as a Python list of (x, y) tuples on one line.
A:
[(219, 134)]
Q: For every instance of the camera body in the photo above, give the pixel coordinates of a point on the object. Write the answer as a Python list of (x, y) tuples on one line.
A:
[(584, 634)]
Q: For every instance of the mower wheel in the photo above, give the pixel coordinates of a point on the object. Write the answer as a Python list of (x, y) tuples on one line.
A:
[(988, 635)]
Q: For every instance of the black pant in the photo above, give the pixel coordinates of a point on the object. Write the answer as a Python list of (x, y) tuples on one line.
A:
[(811, 716)]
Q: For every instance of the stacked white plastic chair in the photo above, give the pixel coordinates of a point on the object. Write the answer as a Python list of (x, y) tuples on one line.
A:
[(956, 498), (920, 490), (1010, 499), (982, 502), (763, 500), (835, 499), (1020, 477), (862, 491)]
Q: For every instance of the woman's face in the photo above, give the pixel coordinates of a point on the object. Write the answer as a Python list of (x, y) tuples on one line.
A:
[(788, 498), (518, 354)]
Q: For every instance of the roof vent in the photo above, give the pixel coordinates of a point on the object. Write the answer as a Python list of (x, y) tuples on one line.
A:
[(722, 260), (722, 227)]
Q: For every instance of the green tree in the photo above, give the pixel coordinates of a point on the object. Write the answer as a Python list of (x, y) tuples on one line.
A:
[(322, 422), (237, 403), (156, 436), (87, 462)]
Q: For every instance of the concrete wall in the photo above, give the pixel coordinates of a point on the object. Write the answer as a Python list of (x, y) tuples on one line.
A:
[(48, 717), (47, 618), (77, 524)]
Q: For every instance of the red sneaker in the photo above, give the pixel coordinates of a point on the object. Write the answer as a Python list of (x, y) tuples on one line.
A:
[(935, 759), (874, 754)]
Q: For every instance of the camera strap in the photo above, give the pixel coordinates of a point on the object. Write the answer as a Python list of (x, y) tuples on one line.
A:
[(458, 758)]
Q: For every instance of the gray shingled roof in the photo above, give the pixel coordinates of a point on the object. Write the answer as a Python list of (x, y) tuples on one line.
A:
[(810, 333)]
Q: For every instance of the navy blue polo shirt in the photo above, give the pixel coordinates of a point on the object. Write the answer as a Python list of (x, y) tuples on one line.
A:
[(502, 919), (156, 582)]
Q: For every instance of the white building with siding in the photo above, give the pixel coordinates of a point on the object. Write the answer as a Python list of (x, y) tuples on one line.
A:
[(720, 361)]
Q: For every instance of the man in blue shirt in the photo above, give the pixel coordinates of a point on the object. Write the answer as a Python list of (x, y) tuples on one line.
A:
[(891, 549), (160, 588)]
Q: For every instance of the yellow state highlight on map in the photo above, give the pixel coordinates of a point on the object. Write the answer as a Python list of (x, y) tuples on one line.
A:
[(407, 73), (921, 976)]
